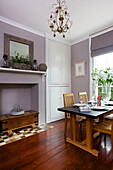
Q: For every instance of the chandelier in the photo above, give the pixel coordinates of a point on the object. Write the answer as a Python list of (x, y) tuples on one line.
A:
[(60, 19)]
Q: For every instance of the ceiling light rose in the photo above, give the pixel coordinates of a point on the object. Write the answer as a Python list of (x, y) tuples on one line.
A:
[(60, 19)]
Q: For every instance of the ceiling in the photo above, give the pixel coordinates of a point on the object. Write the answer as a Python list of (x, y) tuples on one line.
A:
[(88, 16)]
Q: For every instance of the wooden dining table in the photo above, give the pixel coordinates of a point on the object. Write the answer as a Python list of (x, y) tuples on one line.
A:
[(87, 144)]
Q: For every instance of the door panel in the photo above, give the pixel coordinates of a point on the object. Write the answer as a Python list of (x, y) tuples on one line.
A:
[(65, 64), (54, 63), (55, 101)]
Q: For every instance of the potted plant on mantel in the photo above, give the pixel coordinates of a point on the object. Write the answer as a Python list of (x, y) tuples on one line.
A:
[(104, 78), (20, 62)]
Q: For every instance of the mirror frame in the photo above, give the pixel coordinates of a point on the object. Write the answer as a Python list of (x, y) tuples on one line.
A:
[(8, 38)]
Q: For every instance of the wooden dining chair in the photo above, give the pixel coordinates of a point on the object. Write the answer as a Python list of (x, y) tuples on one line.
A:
[(83, 97), (105, 127), (69, 101), (109, 117)]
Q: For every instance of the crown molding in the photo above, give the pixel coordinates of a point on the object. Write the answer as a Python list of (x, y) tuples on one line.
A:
[(26, 28), (49, 36), (79, 40), (70, 43), (21, 26), (99, 32), (110, 28)]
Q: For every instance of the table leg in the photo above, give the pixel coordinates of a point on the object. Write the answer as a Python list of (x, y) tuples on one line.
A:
[(89, 136), (74, 127), (89, 133), (71, 134)]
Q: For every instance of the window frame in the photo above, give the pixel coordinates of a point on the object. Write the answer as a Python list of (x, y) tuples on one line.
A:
[(91, 61)]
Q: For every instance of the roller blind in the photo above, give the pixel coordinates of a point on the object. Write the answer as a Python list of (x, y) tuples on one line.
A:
[(102, 44)]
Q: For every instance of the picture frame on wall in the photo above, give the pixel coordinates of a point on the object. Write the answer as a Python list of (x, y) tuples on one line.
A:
[(79, 69)]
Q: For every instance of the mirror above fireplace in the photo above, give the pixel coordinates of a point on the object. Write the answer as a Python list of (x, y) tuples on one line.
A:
[(22, 46)]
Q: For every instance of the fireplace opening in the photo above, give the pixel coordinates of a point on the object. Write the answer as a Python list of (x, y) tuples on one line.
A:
[(25, 95)]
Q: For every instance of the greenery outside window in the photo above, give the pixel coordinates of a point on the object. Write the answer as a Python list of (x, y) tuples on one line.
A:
[(101, 63)]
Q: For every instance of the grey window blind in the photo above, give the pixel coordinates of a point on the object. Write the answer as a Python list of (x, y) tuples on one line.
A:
[(102, 44)]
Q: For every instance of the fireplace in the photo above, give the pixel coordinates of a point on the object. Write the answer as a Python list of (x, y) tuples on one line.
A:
[(25, 95), (22, 87)]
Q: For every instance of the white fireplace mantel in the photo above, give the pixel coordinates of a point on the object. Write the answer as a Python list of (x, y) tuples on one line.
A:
[(22, 71)]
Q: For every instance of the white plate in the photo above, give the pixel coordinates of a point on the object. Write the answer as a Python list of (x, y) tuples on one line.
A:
[(98, 108), (17, 113), (79, 104), (109, 103)]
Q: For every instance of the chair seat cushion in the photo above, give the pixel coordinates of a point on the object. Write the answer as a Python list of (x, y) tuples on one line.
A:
[(109, 117)]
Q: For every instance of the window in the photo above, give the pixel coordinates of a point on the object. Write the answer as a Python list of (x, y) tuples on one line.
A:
[(101, 55), (102, 62)]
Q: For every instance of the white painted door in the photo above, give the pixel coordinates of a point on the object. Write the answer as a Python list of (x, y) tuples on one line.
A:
[(54, 62), (58, 78), (55, 100), (54, 103)]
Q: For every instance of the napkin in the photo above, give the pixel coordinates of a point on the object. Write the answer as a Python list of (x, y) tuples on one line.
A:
[(85, 109)]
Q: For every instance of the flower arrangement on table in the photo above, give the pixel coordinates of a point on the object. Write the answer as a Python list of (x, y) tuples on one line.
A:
[(104, 78)]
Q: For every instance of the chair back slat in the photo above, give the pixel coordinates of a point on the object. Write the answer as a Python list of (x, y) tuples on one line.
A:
[(83, 97), (68, 99)]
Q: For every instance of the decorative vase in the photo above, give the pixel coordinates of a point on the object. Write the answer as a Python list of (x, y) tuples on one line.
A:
[(34, 65), (106, 92), (42, 67)]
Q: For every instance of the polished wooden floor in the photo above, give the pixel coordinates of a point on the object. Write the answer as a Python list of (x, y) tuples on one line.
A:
[(49, 151)]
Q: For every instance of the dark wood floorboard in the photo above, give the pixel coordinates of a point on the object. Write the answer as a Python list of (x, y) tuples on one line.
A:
[(49, 151)]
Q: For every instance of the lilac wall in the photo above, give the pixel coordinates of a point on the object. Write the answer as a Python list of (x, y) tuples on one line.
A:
[(39, 42), (39, 54), (11, 93), (80, 52)]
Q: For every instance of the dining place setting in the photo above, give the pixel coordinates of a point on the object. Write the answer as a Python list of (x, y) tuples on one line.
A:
[(96, 117), (91, 105)]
